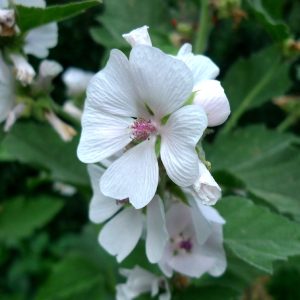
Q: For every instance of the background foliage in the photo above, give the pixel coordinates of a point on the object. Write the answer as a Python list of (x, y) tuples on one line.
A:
[(48, 248)]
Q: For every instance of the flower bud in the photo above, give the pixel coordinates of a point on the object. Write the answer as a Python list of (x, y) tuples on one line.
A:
[(139, 36), (49, 69), (210, 95), (24, 71), (7, 22)]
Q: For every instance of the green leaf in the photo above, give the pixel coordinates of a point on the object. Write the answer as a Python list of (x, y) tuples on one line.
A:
[(257, 235), (39, 145), (123, 16), (19, 217), (32, 17), (75, 277), (253, 81), (266, 161), (268, 13)]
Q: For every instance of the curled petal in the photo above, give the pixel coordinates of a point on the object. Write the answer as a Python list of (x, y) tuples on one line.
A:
[(139, 36), (210, 95)]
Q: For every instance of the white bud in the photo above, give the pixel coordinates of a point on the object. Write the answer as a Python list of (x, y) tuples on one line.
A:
[(24, 71), (139, 36), (49, 69), (210, 95), (72, 110), (65, 131), (76, 81), (7, 17)]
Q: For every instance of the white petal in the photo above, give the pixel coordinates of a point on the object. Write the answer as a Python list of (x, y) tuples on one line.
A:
[(201, 66), (76, 80), (191, 264), (102, 135), (134, 175), (157, 235), (139, 36), (210, 95), (121, 234), (214, 248), (205, 188), (6, 90), (163, 82), (101, 207), (39, 40), (202, 226), (211, 214), (179, 138), (112, 89)]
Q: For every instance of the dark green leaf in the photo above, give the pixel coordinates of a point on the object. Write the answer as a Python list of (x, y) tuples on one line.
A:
[(266, 161), (252, 81), (75, 277), (32, 17), (19, 217), (39, 145), (257, 235), (268, 13)]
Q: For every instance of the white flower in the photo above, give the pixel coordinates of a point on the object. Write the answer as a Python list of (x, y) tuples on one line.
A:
[(7, 97), (140, 281), (196, 241), (120, 234), (205, 189), (24, 71), (138, 36), (76, 81), (126, 102), (208, 93)]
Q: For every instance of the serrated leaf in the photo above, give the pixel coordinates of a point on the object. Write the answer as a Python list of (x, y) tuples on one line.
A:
[(38, 145), (267, 13), (252, 81), (32, 17), (75, 277), (19, 217), (256, 235), (266, 161)]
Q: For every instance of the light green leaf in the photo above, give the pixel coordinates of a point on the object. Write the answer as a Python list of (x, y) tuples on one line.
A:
[(37, 144), (257, 235), (32, 17), (19, 217), (268, 14), (266, 161), (253, 81), (75, 277)]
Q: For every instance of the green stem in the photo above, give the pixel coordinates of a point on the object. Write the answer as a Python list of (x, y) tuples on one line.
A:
[(202, 34), (248, 100), (287, 122)]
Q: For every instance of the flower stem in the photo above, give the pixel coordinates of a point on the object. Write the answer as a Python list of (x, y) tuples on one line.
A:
[(287, 122), (248, 100), (202, 33)]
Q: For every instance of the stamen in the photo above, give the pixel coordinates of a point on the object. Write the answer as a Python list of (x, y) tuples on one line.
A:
[(186, 245), (142, 129)]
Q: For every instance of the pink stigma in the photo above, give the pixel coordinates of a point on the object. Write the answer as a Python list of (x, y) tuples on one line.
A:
[(142, 129), (186, 245)]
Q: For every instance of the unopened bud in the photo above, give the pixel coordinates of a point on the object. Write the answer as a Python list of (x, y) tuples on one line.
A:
[(7, 22)]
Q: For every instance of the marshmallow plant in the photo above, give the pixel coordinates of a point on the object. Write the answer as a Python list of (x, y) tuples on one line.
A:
[(143, 121)]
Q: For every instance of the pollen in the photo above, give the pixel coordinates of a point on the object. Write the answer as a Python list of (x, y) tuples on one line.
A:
[(142, 129)]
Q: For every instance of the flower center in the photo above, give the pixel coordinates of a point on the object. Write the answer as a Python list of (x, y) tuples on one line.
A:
[(182, 244), (142, 129)]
